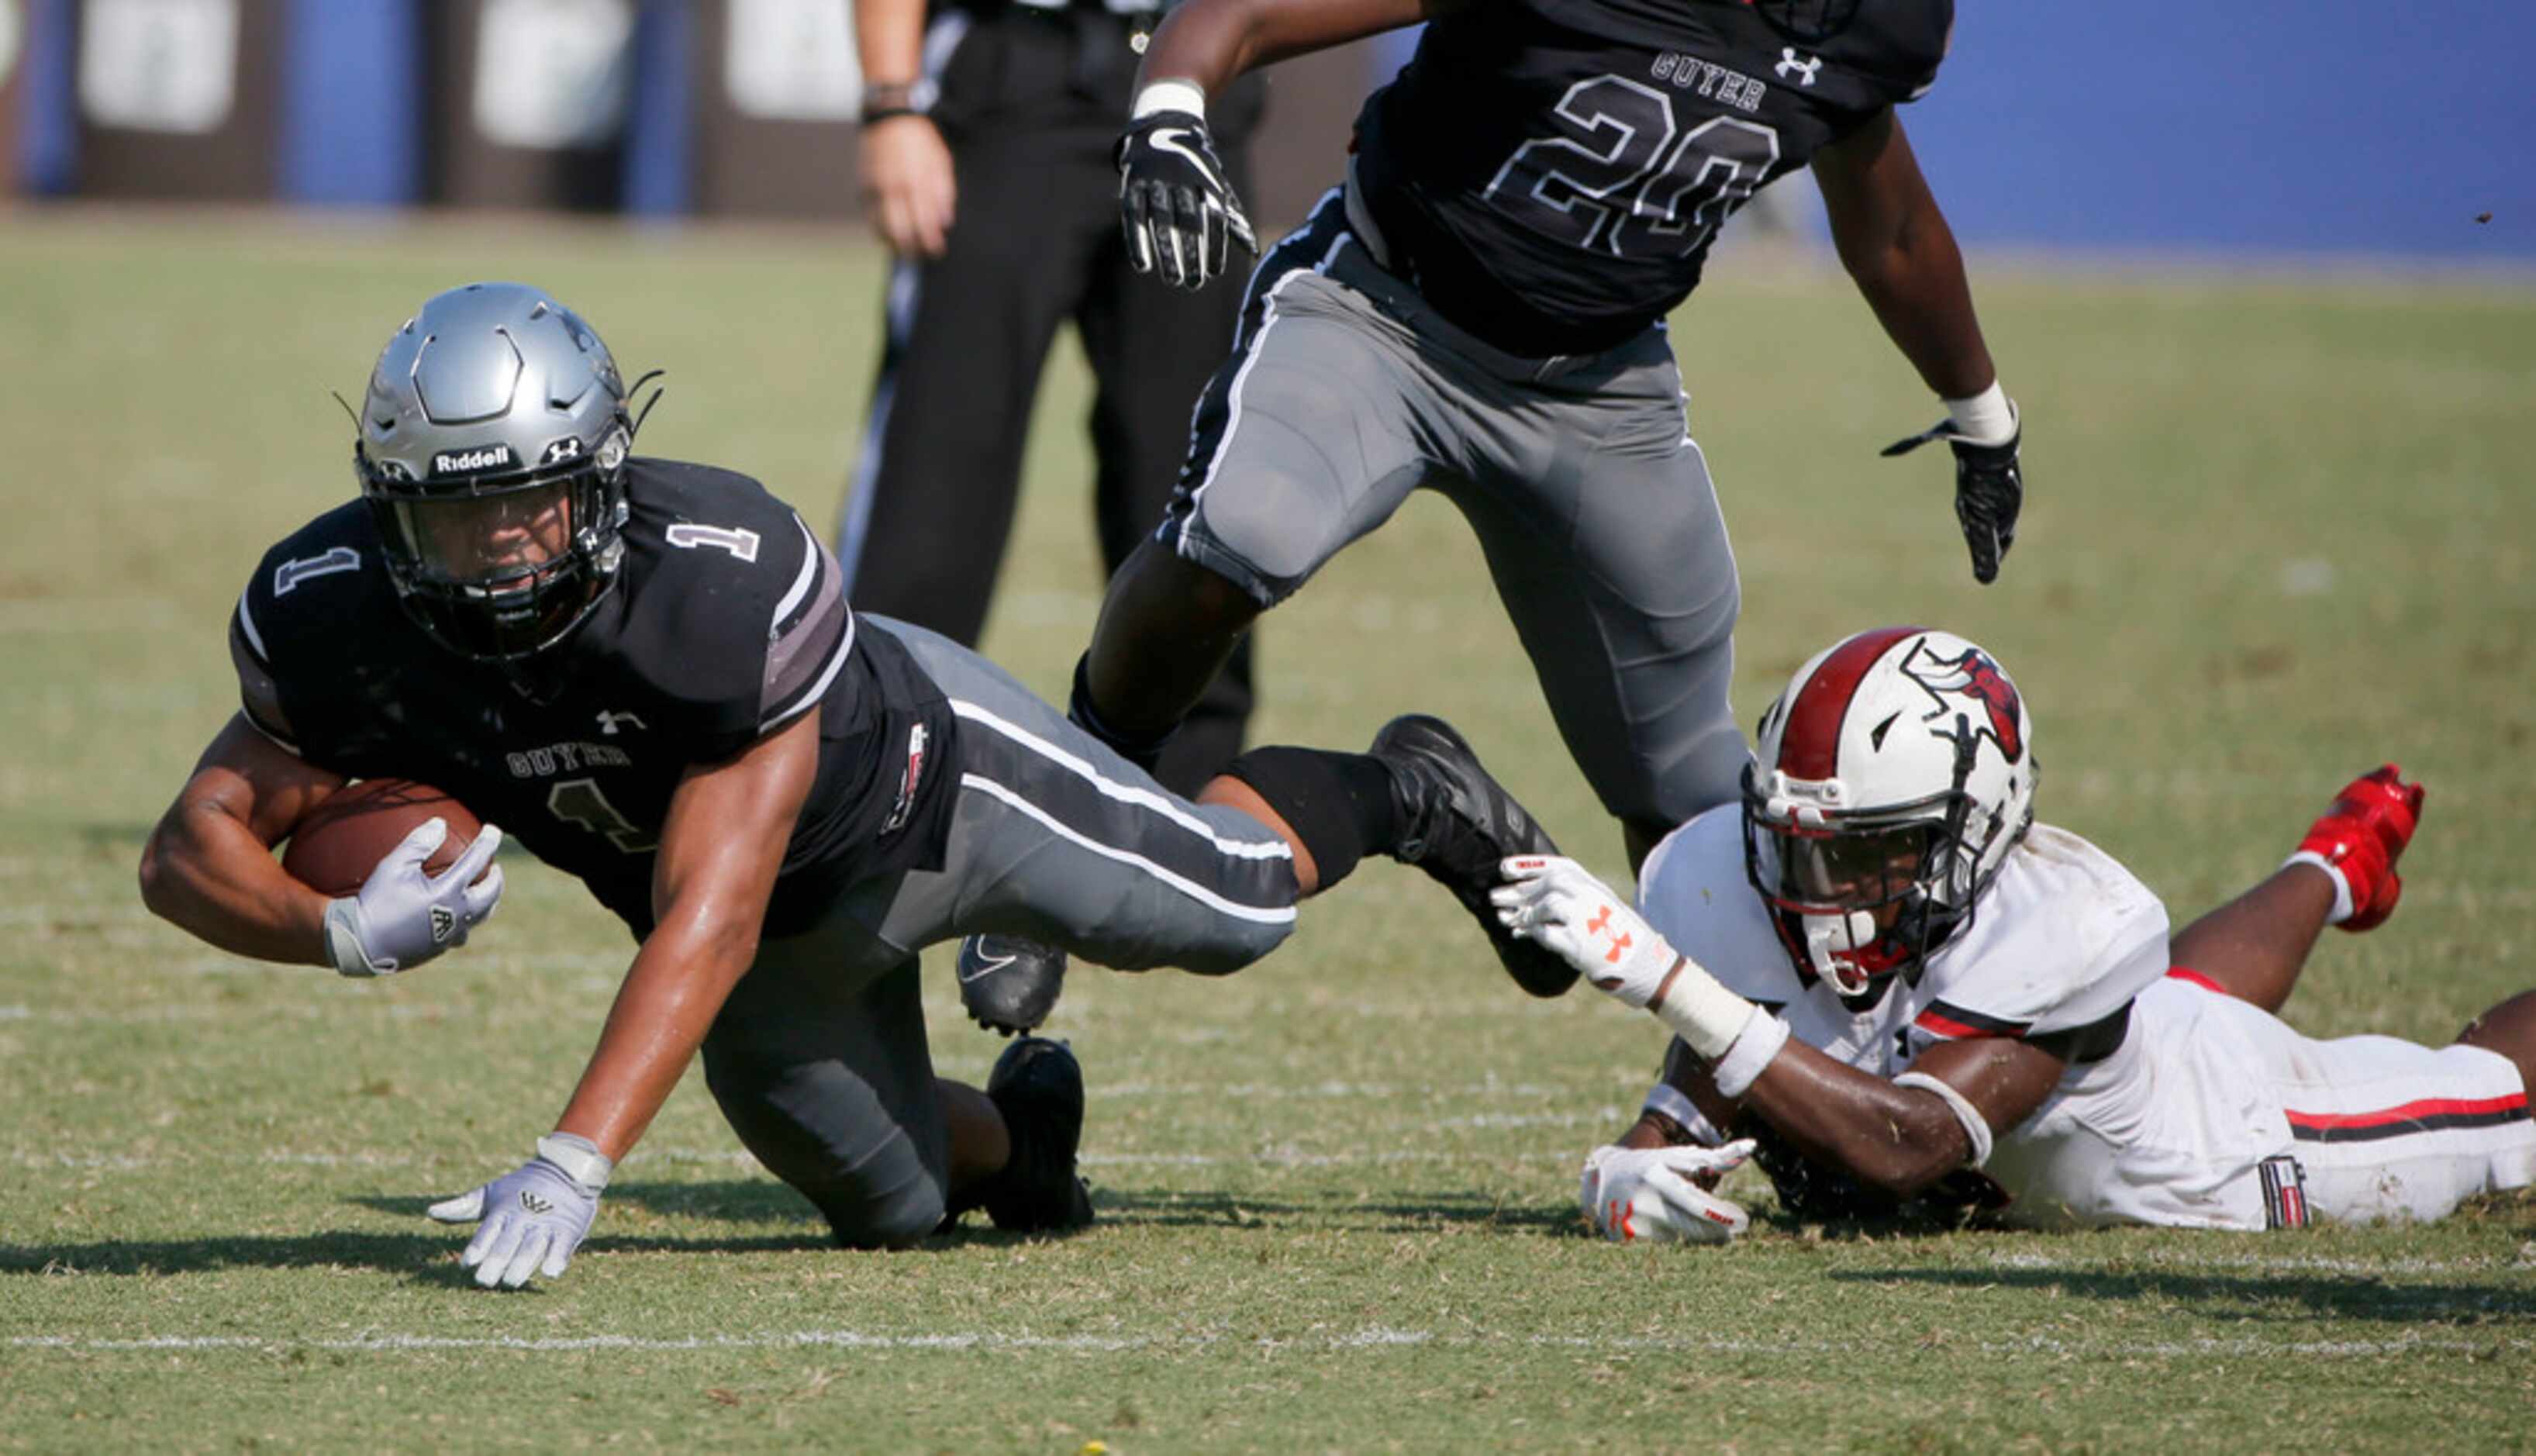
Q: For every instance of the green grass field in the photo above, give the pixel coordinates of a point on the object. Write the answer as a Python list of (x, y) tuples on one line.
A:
[(2279, 529)]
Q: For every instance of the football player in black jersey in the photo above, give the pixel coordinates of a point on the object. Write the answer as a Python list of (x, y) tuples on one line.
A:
[(647, 671), (1481, 308)]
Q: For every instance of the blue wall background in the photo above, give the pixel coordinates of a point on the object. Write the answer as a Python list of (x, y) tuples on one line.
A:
[(2333, 127), (2330, 126), (2353, 127)]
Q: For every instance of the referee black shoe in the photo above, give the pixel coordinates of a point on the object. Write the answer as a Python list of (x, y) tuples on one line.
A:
[(1038, 1086), (1009, 985), (1456, 823)]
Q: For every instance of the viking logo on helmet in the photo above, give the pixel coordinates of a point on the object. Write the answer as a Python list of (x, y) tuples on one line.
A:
[(1872, 847), (1976, 676)]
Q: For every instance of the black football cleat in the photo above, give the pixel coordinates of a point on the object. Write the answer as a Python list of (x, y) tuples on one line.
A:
[(1038, 1086), (1008, 983), (1456, 823)]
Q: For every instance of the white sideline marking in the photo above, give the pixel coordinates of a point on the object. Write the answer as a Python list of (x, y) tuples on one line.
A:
[(1372, 1338), (2268, 1264), (28, 1158), (1253, 1092)]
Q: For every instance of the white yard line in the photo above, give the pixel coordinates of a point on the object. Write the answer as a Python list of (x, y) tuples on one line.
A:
[(2260, 1263), (1371, 1339), (35, 1159)]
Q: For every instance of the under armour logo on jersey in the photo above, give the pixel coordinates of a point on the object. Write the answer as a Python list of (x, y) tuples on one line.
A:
[(534, 1204), (1801, 69), (608, 722), (443, 922)]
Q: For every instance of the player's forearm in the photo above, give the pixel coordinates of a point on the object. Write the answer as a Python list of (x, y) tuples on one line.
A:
[(1213, 41), (1894, 240), (889, 40), (1900, 1139), (676, 985), (207, 873), (1917, 286)]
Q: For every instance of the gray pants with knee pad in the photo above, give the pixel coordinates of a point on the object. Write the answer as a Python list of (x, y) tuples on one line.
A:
[(819, 1058), (1346, 390)]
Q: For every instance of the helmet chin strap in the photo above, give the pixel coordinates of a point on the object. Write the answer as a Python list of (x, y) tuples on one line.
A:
[(1831, 938)]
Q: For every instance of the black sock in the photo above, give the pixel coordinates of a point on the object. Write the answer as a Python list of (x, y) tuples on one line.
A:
[(1144, 752), (1338, 803)]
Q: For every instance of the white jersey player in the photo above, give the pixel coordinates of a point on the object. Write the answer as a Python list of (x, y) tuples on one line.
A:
[(1880, 963)]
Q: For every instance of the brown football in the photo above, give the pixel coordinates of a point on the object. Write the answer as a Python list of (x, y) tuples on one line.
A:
[(335, 849)]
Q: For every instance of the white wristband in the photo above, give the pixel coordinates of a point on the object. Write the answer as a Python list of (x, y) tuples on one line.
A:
[(1703, 1013), (1751, 1054), (1975, 1128), (1170, 96), (1985, 418), (2342, 906), (344, 941), (579, 1158)]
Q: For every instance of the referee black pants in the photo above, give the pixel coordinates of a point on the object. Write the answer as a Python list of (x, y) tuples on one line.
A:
[(1031, 103)]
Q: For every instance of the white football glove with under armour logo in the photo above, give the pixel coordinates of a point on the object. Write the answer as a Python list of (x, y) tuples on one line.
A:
[(534, 1216), (1176, 201), (1557, 903), (1646, 1195), (403, 916)]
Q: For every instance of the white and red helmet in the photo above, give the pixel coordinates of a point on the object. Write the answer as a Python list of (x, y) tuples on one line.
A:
[(1892, 778)]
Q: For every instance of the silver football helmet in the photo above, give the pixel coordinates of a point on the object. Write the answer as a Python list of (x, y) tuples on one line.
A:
[(1892, 778), (492, 448)]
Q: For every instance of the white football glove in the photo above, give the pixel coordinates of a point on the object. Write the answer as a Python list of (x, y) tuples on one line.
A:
[(1645, 1195), (535, 1216), (1557, 902), (403, 917)]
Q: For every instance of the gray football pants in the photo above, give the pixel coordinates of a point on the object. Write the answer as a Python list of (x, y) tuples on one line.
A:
[(1346, 391), (819, 1057)]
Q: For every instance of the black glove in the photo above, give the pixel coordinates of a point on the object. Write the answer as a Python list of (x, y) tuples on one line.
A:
[(1990, 489), (1181, 214)]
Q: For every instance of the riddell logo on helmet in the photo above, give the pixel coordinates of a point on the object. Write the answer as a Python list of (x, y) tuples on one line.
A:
[(471, 462), (1977, 677)]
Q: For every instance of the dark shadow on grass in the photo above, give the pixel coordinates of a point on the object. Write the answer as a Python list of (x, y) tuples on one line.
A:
[(750, 1200), (1419, 1209), (429, 1257), (1207, 1209), (1397, 1212), (2301, 1297), (396, 1253)]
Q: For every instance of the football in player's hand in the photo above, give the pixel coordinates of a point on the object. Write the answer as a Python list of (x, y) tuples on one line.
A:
[(335, 849)]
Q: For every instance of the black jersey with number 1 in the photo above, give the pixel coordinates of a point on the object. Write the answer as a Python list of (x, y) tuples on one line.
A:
[(1549, 173), (726, 622)]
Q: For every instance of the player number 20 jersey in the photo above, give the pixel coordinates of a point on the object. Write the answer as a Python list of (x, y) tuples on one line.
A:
[(1551, 174)]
